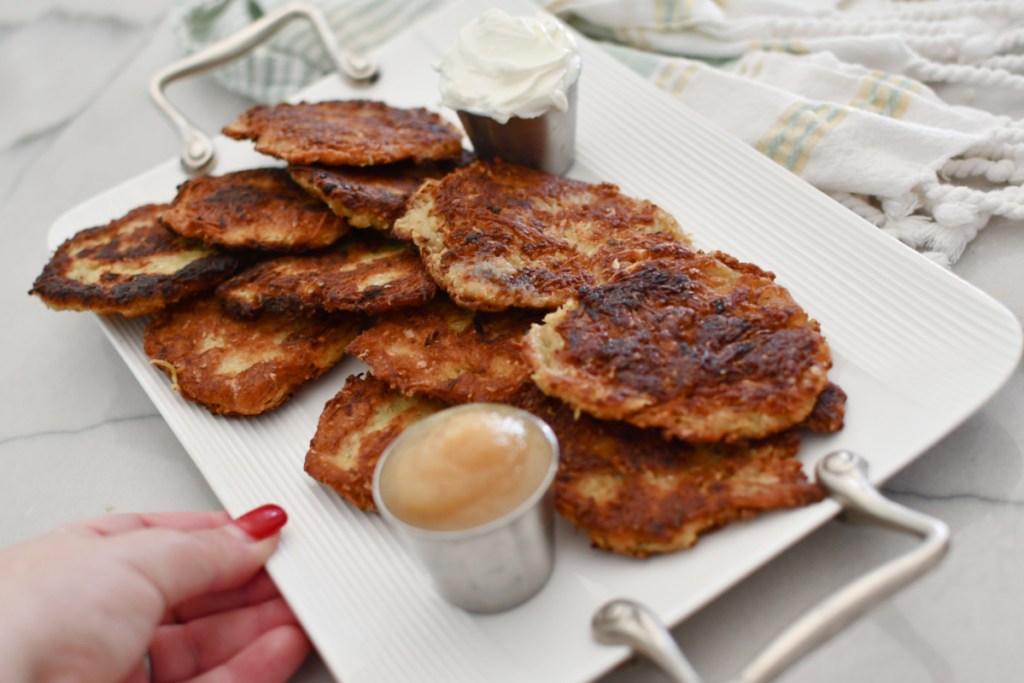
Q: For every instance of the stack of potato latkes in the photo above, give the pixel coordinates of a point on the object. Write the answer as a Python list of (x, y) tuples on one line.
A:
[(677, 381)]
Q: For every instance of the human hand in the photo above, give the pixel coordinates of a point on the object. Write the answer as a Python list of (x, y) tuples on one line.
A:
[(86, 601)]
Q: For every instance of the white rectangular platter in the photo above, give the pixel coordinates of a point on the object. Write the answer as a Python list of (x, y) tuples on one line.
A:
[(916, 349)]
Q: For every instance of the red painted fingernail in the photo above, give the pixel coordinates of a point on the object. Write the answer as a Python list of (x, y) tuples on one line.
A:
[(263, 521)]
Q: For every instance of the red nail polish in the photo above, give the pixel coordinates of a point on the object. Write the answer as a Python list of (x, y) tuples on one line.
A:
[(263, 521)]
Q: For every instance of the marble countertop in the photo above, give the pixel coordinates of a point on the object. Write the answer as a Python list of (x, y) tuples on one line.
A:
[(78, 437)]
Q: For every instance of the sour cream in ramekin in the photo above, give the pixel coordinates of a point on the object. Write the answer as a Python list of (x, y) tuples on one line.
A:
[(503, 66)]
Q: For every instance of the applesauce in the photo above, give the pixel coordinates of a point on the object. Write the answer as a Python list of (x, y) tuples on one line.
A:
[(465, 467)]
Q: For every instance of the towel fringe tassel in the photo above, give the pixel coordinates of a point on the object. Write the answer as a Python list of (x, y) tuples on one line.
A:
[(938, 219), (995, 171)]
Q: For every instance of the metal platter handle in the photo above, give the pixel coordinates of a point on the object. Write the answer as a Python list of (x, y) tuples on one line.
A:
[(844, 476), (197, 148)]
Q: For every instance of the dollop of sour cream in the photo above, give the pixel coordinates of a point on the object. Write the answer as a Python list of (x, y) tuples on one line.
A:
[(503, 66)]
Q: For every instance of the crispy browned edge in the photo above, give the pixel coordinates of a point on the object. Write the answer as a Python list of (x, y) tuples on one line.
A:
[(310, 348), (347, 132), (323, 281), (829, 413), (367, 197), (448, 353), (257, 208), (137, 295), (355, 427)]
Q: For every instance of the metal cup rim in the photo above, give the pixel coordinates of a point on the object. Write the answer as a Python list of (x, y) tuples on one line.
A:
[(484, 114), (480, 529)]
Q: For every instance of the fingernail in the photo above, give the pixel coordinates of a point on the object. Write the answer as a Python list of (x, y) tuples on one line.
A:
[(262, 522)]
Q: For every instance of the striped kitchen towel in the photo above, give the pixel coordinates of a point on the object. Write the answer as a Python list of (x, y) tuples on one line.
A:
[(293, 58), (904, 112)]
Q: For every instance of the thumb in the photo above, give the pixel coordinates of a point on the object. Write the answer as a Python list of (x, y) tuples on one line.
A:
[(185, 564)]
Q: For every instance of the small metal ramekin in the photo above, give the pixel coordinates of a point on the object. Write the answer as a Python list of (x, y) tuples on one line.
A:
[(546, 142), (497, 565)]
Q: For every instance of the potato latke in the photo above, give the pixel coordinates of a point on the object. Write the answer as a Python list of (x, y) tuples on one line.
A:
[(235, 367), (132, 266), (365, 274), (698, 345), (261, 208), (347, 133), (497, 236)]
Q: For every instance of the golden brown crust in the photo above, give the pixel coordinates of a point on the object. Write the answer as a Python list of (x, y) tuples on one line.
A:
[(829, 411), (448, 353), (630, 490), (354, 429), (638, 494), (498, 236), (699, 345), (347, 133), (368, 197), (237, 367), (132, 266), (255, 209), (365, 274)]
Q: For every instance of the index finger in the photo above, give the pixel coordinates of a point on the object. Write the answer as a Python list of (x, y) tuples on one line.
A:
[(112, 525)]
